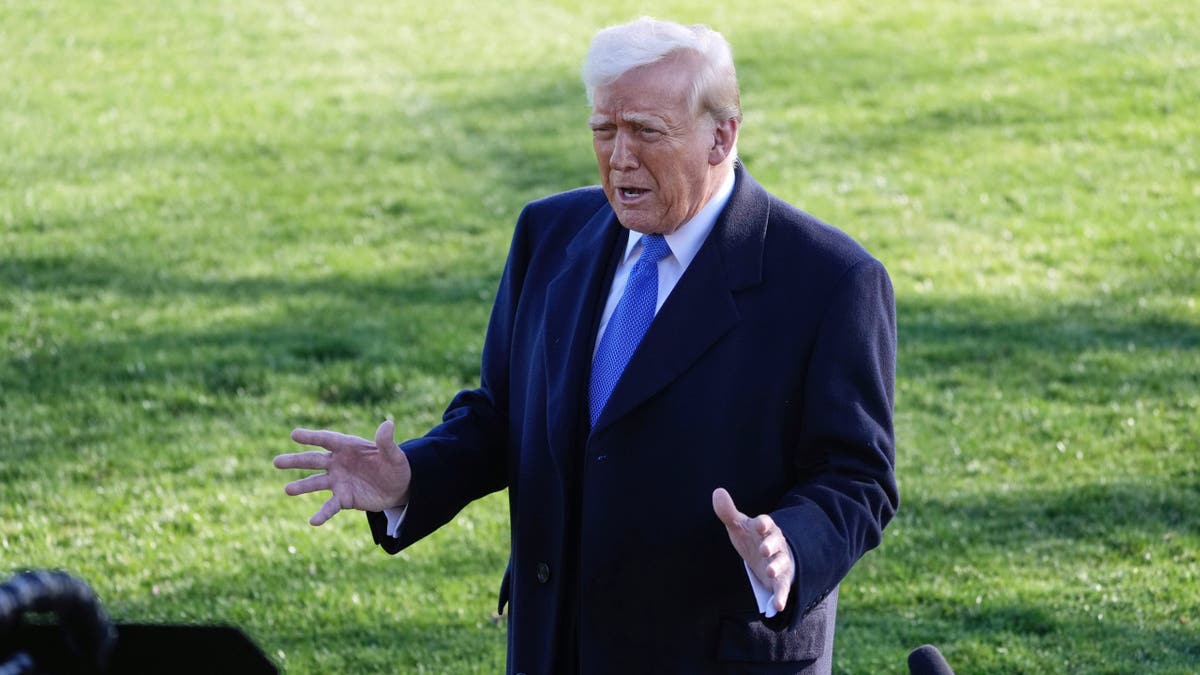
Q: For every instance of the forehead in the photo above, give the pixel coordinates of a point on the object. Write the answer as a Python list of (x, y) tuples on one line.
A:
[(657, 90)]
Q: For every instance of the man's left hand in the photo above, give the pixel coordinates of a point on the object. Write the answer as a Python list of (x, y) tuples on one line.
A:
[(761, 544)]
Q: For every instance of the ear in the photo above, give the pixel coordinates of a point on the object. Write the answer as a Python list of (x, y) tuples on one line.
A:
[(724, 141)]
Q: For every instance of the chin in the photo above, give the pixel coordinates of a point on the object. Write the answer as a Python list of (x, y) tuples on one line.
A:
[(630, 221), (639, 225)]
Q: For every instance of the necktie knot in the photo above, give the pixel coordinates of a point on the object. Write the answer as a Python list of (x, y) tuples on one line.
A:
[(654, 248)]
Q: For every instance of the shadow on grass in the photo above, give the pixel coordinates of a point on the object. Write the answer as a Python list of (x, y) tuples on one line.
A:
[(312, 324), (1068, 325), (1124, 517), (1070, 350)]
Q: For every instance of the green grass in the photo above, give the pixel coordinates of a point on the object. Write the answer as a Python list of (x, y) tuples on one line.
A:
[(219, 220)]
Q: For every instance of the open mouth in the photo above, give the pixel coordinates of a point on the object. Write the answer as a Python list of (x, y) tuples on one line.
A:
[(632, 193)]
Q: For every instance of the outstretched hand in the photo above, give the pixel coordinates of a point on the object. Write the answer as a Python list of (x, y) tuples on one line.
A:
[(761, 544), (361, 474)]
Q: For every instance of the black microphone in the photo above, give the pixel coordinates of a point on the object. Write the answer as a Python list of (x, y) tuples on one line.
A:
[(86, 631), (927, 660)]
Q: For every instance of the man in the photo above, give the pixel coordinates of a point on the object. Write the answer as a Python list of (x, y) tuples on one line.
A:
[(764, 376)]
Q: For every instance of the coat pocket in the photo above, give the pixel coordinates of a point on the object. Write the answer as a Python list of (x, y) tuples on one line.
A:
[(746, 638)]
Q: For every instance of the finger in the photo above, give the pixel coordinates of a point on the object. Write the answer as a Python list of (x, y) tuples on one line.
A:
[(725, 509), (313, 459), (782, 590), (315, 483), (775, 567), (330, 440), (771, 545), (762, 525), (781, 572), (385, 438), (328, 510)]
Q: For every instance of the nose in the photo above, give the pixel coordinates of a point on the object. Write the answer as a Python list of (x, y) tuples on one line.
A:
[(624, 157)]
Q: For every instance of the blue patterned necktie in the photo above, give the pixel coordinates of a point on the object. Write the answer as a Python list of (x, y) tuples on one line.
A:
[(629, 321)]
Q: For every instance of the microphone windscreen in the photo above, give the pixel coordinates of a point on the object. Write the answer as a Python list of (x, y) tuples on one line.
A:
[(927, 660)]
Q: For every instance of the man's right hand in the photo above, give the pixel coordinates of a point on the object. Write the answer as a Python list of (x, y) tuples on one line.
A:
[(361, 474)]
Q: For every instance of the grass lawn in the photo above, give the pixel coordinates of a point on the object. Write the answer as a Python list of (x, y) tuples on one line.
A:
[(220, 220)]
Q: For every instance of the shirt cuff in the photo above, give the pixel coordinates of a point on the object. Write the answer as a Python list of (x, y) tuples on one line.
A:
[(762, 594), (395, 517)]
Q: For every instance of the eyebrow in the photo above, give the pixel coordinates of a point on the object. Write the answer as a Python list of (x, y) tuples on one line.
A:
[(643, 119), (640, 119)]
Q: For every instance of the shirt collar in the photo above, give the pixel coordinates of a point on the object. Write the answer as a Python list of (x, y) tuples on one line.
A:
[(685, 242)]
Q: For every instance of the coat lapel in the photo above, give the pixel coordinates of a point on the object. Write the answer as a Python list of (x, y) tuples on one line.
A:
[(572, 302), (702, 306)]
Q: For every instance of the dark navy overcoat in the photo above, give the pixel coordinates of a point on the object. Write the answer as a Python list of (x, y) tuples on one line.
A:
[(768, 371)]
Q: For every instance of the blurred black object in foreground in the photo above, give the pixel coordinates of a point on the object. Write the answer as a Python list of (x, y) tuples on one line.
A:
[(927, 660), (82, 641)]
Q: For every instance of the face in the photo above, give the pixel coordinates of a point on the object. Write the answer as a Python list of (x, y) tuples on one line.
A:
[(660, 161)]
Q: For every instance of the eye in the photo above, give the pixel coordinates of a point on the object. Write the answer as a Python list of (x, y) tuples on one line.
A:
[(649, 132), (603, 133)]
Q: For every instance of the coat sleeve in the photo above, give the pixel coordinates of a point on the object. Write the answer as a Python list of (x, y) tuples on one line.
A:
[(846, 491), (465, 457)]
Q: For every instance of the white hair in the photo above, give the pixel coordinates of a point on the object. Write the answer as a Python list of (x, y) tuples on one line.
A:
[(618, 49)]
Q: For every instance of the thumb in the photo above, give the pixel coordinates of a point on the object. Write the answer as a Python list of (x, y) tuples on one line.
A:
[(724, 508), (385, 437)]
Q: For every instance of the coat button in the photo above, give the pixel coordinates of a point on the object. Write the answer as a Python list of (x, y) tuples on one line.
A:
[(543, 573)]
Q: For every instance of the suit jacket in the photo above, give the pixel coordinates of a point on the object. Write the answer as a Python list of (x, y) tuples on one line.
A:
[(768, 371)]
